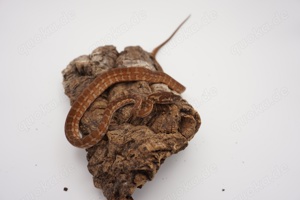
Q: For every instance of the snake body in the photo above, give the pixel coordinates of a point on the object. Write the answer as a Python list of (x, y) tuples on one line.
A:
[(98, 86)]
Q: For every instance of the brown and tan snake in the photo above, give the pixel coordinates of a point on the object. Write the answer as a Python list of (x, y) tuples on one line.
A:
[(97, 87), (105, 80)]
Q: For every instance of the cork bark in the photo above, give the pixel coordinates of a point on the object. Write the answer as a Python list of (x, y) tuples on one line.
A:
[(134, 148)]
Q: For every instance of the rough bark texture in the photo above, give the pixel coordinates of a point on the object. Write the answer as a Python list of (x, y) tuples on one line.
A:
[(134, 148)]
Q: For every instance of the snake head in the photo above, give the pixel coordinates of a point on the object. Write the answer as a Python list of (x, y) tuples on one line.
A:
[(164, 97)]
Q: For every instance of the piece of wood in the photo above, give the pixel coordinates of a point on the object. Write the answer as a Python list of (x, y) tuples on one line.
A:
[(137, 122)]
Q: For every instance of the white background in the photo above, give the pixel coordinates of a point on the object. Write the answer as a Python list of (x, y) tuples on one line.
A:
[(238, 59)]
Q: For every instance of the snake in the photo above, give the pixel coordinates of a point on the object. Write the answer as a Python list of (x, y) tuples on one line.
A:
[(97, 87), (109, 78)]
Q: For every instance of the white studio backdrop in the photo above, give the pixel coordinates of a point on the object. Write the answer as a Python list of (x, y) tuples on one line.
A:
[(239, 61)]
